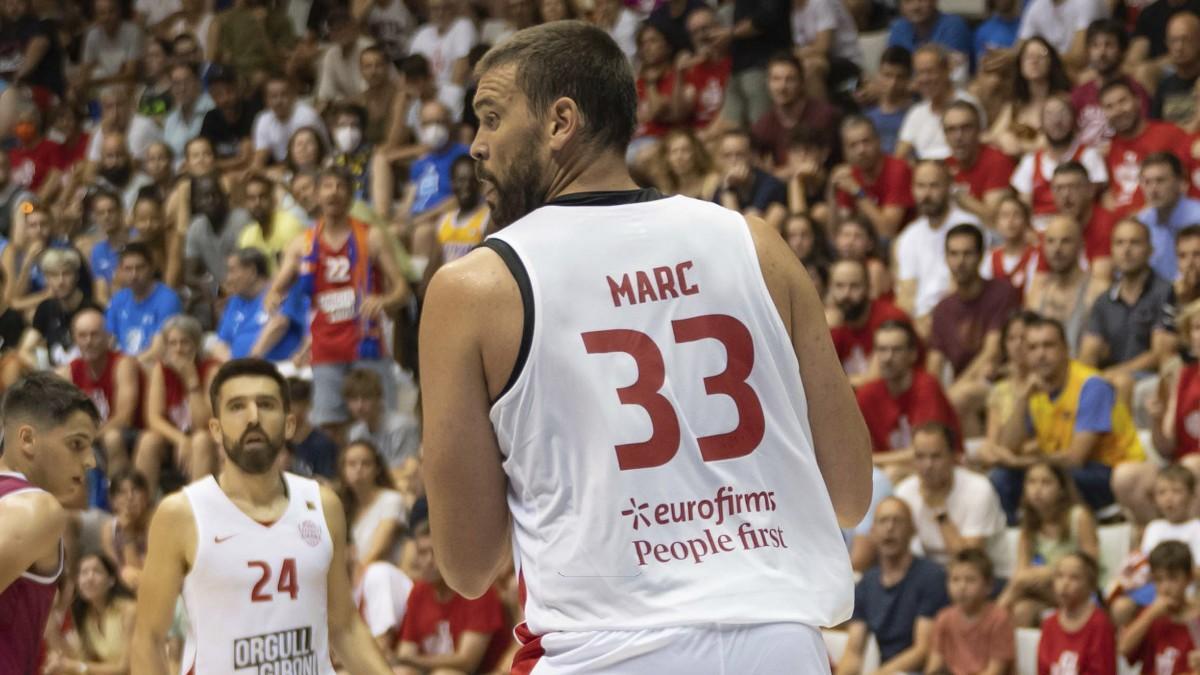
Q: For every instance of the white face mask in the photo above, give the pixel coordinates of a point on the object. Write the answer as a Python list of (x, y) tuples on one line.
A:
[(347, 138), (434, 135)]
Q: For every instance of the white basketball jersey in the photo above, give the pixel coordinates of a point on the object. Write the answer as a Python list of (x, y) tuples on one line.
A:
[(656, 438), (256, 595)]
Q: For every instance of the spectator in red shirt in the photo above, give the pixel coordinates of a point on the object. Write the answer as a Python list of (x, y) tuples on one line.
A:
[(1160, 638), (1078, 637), (966, 327), (1016, 259), (1074, 196), (1107, 43), (1134, 139), (902, 399), (707, 73), (442, 630), (870, 183), (657, 79), (34, 157), (790, 109), (855, 317), (973, 634), (980, 172)]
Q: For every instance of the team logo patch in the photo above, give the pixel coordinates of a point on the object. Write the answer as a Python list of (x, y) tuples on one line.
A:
[(310, 533)]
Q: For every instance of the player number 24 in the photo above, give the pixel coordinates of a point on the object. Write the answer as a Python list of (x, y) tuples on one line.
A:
[(287, 580), (651, 375)]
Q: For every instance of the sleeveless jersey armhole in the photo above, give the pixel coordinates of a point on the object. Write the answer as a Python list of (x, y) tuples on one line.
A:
[(517, 269)]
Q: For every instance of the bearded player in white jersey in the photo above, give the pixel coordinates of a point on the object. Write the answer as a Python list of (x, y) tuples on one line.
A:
[(642, 390), (258, 554)]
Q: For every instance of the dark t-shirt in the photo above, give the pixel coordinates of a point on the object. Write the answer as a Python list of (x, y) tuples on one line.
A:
[(891, 613), (15, 37), (53, 321), (1152, 22), (764, 190), (773, 20), (12, 325), (318, 452), (225, 136), (1126, 329), (1174, 101), (674, 27), (769, 133), (960, 326)]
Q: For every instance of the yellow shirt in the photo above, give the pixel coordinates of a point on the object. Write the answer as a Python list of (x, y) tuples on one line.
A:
[(458, 237), (284, 228), (1054, 421)]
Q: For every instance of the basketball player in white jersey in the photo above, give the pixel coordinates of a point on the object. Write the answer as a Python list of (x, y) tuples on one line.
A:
[(258, 554), (641, 389)]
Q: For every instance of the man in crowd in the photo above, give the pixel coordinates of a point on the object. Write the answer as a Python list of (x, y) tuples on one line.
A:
[(760, 30), (744, 187), (1065, 291), (230, 123), (429, 191), (245, 329), (380, 93), (340, 77), (980, 171), (271, 229), (117, 116), (920, 23), (117, 172), (1174, 97), (1166, 340), (856, 319), (213, 233), (870, 183), (1073, 189), (191, 105), (791, 108), (138, 310), (708, 71), (1034, 175), (460, 230), (921, 134), (894, 81), (111, 48), (397, 437), (282, 117), (1107, 42), (1134, 139), (1168, 209), (105, 209)]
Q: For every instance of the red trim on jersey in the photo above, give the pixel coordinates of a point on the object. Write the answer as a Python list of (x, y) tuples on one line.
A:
[(531, 651)]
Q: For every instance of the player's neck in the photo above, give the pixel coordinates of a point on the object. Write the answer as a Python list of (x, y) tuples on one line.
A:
[(255, 489), (7, 466), (605, 173)]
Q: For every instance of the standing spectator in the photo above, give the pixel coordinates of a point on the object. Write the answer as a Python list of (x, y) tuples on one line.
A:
[(761, 28), (310, 446), (245, 329), (895, 96), (445, 41), (1039, 75), (1134, 139), (921, 133), (1033, 175), (1107, 46), (111, 48), (922, 277), (965, 332), (139, 309), (430, 191), (396, 437), (51, 325), (283, 116), (903, 398), (791, 109), (341, 77), (1063, 24), (707, 73), (1164, 184), (856, 319), (214, 231), (186, 118), (871, 184), (744, 187), (973, 634), (380, 94), (1066, 291), (1160, 637), (374, 509), (897, 599), (1174, 100), (1078, 632), (921, 23), (980, 171), (271, 229), (230, 123)]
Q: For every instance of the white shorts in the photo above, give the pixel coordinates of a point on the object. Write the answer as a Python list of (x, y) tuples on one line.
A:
[(720, 649)]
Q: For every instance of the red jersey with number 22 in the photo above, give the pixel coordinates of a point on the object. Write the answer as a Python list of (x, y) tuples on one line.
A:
[(337, 281)]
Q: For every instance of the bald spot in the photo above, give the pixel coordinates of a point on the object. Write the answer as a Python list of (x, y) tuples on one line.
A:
[(845, 270), (929, 170), (1061, 227), (88, 319), (1183, 24)]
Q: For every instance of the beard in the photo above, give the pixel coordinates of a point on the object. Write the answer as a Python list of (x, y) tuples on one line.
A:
[(257, 459), (931, 208), (522, 191), (853, 311)]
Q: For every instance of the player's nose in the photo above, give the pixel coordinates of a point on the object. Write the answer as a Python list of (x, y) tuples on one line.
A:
[(89, 458)]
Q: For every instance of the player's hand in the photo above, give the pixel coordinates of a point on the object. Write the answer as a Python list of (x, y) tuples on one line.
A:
[(372, 306)]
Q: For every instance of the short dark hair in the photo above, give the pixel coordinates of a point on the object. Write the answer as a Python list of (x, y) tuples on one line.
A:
[(902, 326), (342, 175), (1040, 321), (255, 177), (347, 108), (253, 258), (299, 390), (897, 56), (1072, 166), (1168, 159), (1171, 556), (578, 61), (128, 475), (1189, 232), (857, 120), (43, 396), (1110, 27), (936, 428), (135, 248), (361, 382), (967, 230), (960, 104), (1179, 474), (784, 57), (415, 66), (103, 193), (975, 558), (247, 368)]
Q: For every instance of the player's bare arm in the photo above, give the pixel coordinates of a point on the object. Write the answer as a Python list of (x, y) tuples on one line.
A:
[(840, 437), (171, 548), (32, 523), (348, 635), (470, 336)]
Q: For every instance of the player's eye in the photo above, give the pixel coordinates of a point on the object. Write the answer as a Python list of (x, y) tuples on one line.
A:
[(492, 120)]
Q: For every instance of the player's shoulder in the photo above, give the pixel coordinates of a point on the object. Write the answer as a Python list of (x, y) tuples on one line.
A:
[(481, 274), (175, 512), (33, 509)]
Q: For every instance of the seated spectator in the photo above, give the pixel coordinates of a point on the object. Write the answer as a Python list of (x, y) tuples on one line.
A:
[(1078, 632), (246, 330), (1107, 50), (922, 277), (856, 317), (117, 172), (973, 634), (1063, 26), (444, 630), (791, 109), (340, 78), (12, 198), (746, 188), (954, 509), (902, 399), (114, 383), (998, 33), (980, 171), (194, 18), (164, 242), (351, 151), (807, 240), (445, 41), (126, 535), (1160, 638), (159, 166), (390, 23), (24, 278), (921, 23), (1164, 183), (826, 41), (311, 448), (381, 598), (871, 184), (111, 48), (271, 228), (1150, 30), (191, 104), (1053, 525), (429, 191), (282, 117), (1083, 428), (707, 72), (1032, 179), (34, 158), (213, 233), (1065, 291), (897, 599), (1134, 140), (102, 614), (1174, 97), (396, 436), (252, 39), (375, 512), (684, 166), (117, 116), (1167, 340), (670, 18), (893, 82), (659, 107), (229, 124), (1074, 196), (1039, 74), (1174, 425), (460, 230), (51, 325), (965, 332), (855, 239), (806, 172), (1017, 257), (1014, 368), (921, 133), (177, 407)]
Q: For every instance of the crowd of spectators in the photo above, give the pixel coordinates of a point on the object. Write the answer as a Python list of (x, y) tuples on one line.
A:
[(1000, 208)]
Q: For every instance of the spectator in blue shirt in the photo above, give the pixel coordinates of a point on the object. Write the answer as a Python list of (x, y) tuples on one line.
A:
[(999, 32), (107, 216), (246, 329), (1168, 209), (428, 192), (137, 312), (920, 23), (895, 96)]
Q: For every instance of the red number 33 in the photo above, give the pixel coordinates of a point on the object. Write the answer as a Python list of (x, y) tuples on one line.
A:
[(645, 391)]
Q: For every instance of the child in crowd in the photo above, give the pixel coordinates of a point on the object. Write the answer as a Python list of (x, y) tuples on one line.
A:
[(1015, 260), (972, 635), (1053, 525), (1078, 637), (313, 452), (396, 436), (1160, 638)]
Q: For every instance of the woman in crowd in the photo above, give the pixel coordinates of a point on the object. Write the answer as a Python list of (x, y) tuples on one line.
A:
[(658, 107), (51, 326), (306, 152), (102, 614), (159, 165), (124, 538), (198, 160), (165, 243), (807, 240), (855, 239), (374, 509), (1175, 411), (1038, 74), (1012, 371), (1016, 258), (684, 166)]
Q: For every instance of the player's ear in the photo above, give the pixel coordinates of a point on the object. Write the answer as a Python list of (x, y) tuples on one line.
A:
[(26, 439), (214, 430), (289, 426), (564, 122)]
